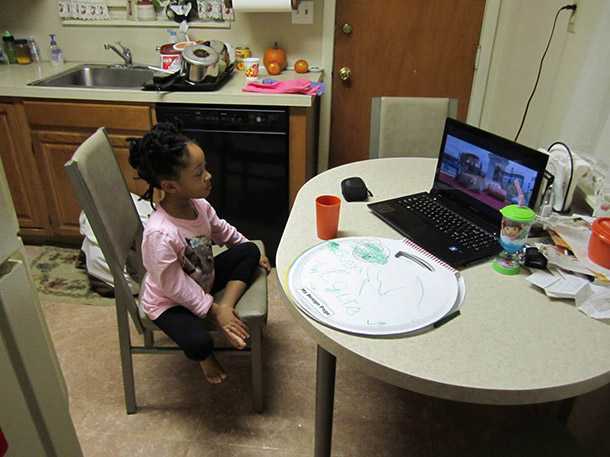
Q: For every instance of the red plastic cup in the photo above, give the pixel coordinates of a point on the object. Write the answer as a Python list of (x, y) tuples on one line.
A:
[(327, 216)]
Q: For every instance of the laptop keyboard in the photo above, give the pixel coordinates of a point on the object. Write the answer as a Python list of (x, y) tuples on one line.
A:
[(459, 229)]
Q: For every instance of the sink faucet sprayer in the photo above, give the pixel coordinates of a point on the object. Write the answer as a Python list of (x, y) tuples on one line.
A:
[(124, 53)]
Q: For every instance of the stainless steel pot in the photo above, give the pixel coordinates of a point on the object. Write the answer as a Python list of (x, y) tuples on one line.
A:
[(209, 59), (199, 62)]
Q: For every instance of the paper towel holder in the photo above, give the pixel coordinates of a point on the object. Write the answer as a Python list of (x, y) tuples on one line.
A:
[(294, 4)]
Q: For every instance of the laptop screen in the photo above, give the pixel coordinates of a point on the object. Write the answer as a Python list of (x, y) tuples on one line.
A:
[(485, 171)]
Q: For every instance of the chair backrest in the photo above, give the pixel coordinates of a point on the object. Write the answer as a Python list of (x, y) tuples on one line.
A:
[(103, 195), (408, 126)]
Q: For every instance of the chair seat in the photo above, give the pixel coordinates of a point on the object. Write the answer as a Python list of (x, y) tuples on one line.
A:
[(251, 307)]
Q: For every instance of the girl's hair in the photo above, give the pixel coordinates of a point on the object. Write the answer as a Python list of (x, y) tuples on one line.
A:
[(160, 154)]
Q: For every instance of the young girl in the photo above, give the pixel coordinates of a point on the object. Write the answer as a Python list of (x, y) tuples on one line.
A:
[(179, 232)]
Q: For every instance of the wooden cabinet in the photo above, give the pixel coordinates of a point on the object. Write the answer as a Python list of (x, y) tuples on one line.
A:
[(37, 137), (21, 171), (57, 129)]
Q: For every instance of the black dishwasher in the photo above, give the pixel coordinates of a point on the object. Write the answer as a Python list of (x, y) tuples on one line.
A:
[(246, 150)]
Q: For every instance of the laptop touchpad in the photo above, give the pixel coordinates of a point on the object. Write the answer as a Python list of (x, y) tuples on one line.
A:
[(384, 208)]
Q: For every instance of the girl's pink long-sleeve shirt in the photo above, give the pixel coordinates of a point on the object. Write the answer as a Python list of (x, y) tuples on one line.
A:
[(166, 284)]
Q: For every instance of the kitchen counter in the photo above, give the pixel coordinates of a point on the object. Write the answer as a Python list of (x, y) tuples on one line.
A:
[(14, 80)]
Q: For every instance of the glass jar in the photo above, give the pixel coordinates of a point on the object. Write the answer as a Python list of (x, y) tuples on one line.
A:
[(241, 53), (22, 52)]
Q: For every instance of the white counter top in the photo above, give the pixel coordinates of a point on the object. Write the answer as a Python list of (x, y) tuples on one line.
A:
[(14, 81)]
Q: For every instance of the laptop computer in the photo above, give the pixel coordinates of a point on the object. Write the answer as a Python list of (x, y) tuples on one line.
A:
[(477, 174)]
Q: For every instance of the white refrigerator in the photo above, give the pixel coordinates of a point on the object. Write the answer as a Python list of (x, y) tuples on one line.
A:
[(34, 415)]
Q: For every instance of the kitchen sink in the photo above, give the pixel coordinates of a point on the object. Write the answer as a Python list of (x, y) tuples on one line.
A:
[(99, 76)]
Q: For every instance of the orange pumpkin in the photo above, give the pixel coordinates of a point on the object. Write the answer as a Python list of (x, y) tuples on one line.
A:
[(275, 54), (274, 68)]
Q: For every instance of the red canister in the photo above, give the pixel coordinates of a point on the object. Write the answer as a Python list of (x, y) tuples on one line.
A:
[(170, 57), (599, 243)]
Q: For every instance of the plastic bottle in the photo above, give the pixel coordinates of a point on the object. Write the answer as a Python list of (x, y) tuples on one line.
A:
[(57, 55), (9, 47), (34, 49), (172, 36)]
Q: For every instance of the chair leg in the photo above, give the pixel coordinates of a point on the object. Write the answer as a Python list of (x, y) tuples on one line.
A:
[(126, 360), (149, 338), (256, 338)]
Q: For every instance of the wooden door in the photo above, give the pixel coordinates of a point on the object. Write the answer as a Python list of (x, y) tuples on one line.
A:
[(398, 48), (21, 172)]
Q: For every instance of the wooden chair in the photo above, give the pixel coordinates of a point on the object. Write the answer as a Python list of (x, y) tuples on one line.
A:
[(408, 126), (102, 192)]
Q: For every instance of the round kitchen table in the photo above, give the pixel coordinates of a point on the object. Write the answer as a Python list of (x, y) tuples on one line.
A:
[(511, 344)]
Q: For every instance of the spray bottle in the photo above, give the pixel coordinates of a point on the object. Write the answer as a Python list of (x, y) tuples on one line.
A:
[(57, 55)]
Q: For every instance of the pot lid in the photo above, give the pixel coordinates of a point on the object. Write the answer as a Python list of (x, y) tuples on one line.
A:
[(601, 226), (518, 213), (200, 55)]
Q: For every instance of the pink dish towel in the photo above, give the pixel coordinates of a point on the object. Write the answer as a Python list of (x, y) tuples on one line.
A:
[(293, 86)]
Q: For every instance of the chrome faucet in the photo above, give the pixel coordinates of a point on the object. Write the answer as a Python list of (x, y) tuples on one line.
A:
[(124, 53)]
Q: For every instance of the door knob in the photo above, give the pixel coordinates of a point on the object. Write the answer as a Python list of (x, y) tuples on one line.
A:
[(346, 28), (345, 74)]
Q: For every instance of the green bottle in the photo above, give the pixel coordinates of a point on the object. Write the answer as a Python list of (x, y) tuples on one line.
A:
[(9, 47)]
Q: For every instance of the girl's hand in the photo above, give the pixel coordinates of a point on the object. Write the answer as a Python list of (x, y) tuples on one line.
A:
[(264, 262), (228, 321)]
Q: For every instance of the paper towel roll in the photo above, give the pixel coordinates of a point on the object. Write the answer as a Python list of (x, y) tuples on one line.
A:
[(265, 6)]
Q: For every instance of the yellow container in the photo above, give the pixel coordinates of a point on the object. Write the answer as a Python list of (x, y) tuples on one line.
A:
[(241, 53), (22, 52)]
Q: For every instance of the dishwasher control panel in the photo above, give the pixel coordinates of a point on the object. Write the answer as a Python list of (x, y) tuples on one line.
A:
[(225, 118)]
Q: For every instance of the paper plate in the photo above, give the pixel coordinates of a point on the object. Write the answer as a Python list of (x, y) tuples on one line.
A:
[(373, 286)]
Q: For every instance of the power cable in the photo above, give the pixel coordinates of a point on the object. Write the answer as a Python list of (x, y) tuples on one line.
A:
[(566, 7)]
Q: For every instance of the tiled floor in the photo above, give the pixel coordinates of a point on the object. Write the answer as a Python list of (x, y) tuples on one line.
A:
[(180, 415)]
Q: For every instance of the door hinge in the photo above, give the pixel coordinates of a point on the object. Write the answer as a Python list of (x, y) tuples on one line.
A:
[(477, 57)]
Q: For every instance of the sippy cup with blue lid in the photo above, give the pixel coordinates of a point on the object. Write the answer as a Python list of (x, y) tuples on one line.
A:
[(516, 223)]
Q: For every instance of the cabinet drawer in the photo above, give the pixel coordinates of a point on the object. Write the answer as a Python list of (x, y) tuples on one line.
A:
[(88, 115)]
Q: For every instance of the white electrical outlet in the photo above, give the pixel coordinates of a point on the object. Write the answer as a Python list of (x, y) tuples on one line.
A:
[(304, 13), (572, 20)]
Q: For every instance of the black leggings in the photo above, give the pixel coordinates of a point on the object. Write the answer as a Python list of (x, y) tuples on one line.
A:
[(186, 329)]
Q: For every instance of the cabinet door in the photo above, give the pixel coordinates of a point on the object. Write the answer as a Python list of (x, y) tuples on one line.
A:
[(21, 172), (121, 150), (54, 149)]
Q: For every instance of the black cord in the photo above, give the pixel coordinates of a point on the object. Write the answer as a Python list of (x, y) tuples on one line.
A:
[(565, 197), (527, 106)]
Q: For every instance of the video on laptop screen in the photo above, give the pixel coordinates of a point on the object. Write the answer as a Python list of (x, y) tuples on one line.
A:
[(491, 179)]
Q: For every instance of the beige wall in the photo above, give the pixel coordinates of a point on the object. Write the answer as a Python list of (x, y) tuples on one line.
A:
[(258, 31), (572, 102)]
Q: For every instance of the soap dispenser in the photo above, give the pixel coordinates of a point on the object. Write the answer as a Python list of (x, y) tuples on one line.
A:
[(57, 55)]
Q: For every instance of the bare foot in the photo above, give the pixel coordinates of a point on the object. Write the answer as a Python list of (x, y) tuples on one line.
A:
[(213, 372)]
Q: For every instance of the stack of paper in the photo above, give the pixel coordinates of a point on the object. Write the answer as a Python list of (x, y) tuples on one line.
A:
[(571, 272), (557, 283), (592, 299)]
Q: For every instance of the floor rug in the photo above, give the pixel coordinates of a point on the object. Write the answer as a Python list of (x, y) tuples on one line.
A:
[(59, 280)]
